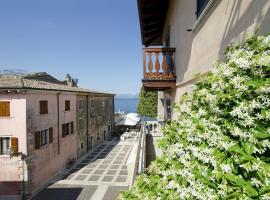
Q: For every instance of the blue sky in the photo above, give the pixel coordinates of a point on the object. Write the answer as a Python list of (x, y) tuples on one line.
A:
[(97, 42)]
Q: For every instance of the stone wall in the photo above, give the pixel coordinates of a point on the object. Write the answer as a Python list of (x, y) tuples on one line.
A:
[(95, 120)]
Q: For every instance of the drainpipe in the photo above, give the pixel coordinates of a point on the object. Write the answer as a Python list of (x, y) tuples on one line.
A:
[(58, 124), (87, 125), (23, 185)]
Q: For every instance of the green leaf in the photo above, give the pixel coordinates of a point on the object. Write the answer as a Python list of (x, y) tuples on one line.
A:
[(247, 158), (261, 135), (234, 179), (251, 191), (248, 147), (236, 148)]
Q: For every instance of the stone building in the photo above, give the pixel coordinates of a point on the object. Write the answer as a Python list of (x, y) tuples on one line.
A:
[(39, 135), (95, 119)]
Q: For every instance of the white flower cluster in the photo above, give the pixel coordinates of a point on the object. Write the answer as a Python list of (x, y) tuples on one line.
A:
[(219, 146)]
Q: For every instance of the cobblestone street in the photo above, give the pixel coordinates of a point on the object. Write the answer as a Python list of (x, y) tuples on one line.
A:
[(100, 175)]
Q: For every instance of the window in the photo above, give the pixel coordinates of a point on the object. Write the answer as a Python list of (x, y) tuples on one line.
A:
[(43, 137), (4, 145), (81, 124), (72, 127), (44, 134), (67, 105), (4, 109), (65, 129), (43, 107), (80, 104), (201, 4), (98, 137)]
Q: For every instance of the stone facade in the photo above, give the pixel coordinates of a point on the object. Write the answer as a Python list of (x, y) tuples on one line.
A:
[(95, 120)]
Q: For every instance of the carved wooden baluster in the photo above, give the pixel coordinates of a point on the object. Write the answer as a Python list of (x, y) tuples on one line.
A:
[(171, 65), (157, 65), (150, 65), (144, 65), (164, 65)]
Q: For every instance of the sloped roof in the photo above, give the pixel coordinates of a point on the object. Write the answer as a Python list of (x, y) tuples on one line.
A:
[(40, 81)]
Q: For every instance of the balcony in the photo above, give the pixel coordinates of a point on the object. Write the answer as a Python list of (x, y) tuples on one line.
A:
[(158, 68)]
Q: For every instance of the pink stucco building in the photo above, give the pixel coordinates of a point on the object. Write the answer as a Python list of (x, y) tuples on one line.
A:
[(38, 134)]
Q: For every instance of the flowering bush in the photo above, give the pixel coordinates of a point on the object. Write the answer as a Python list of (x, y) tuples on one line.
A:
[(219, 147)]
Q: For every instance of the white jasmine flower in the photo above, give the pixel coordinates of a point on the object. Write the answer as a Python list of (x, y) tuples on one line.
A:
[(264, 60), (242, 63), (226, 168)]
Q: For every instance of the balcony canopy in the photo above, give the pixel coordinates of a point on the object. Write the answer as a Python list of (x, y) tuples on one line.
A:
[(152, 15)]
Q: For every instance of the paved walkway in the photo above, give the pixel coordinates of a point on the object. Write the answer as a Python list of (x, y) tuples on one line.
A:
[(100, 175)]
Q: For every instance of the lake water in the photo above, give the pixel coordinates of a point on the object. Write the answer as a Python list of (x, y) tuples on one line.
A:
[(126, 105)]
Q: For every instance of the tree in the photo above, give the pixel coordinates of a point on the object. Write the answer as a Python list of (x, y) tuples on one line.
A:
[(147, 103)]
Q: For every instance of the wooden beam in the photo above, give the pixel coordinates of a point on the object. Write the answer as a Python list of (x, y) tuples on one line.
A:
[(159, 85)]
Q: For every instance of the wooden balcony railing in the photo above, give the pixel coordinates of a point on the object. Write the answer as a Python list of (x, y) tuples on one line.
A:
[(158, 68), (158, 64)]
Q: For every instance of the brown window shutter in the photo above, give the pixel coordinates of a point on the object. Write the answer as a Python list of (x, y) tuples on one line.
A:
[(43, 105), (63, 130), (37, 140), (67, 105), (14, 145), (4, 109), (72, 127), (51, 135)]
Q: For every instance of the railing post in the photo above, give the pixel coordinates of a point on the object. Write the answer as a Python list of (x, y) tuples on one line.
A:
[(144, 64), (157, 65), (171, 65), (150, 64), (164, 65)]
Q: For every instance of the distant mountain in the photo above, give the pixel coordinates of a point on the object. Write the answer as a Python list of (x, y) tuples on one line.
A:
[(127, 96)]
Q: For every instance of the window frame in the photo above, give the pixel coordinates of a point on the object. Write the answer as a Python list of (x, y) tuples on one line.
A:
[(4, 112), (65, 129), (43, 138), (80, 104), (43, 107), (72, 127), (201, 5), (2, 152), (67, 105)]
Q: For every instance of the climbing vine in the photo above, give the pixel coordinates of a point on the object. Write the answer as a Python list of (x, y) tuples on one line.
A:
[(219, 146)]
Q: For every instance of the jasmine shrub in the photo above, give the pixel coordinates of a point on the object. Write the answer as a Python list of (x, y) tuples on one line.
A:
[(218, 148)]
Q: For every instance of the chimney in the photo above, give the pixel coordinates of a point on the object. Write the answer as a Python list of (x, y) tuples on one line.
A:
[(69, 80)]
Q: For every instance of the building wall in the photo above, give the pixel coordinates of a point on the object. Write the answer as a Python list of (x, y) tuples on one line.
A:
[(11, 168), (82, 125), (197, 51), (51, 158), (101, 117), (99, 121)]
